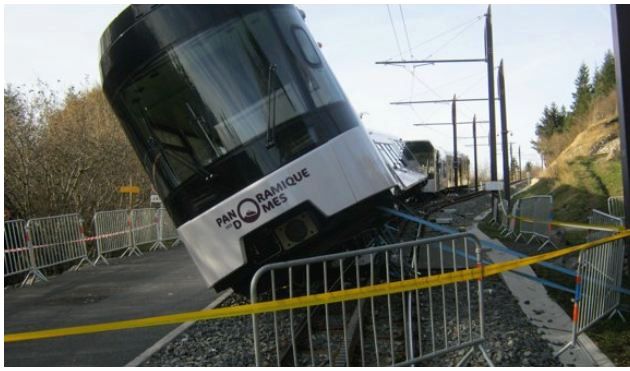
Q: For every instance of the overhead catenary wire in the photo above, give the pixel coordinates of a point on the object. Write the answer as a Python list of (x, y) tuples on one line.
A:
[(465, 25), (432, 38), (402, 15), (391, 21)]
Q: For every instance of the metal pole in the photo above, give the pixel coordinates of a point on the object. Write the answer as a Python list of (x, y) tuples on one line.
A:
[(491, 111), (432, 61), (455, 159), (439, 101), (621, 37), (511, 157), (520, 168), (504, 136), (475, 151)]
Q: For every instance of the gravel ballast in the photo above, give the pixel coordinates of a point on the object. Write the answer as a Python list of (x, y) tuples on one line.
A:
[(511, 340)]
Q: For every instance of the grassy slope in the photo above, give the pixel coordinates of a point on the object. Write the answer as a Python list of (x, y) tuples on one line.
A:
[(581, 179)]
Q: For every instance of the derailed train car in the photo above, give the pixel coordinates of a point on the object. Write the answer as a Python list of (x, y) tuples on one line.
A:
[(408, 174), (439, 167), (244, 131)]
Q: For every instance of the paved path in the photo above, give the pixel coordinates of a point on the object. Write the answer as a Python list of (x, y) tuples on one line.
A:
[(546, 314), (162, 282)]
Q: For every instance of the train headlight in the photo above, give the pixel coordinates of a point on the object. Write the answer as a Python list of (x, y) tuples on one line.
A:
[(296, 230)]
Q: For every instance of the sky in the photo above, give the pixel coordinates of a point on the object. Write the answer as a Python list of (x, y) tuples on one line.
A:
[(542, 47)]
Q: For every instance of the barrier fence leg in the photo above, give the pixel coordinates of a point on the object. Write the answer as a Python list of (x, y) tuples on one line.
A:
[(84, 259), (481, 311), (618, 312), (576, 309), (480, 346), (159, 244), (133, 248), (99, 247), (548, 242), (34, 273), (102, 258)]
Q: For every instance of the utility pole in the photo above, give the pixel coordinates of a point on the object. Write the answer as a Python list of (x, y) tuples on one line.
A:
[(511, 157), (621, 37), (455, 159), (489, 60), (504, 135), (491, 111), (520, 168), (474, 125)]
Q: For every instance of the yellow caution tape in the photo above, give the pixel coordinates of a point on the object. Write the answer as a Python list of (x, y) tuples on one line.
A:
[(315, 299), (607, 228)]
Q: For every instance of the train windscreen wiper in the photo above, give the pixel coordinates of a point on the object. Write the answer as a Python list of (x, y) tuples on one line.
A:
[(271, 107)]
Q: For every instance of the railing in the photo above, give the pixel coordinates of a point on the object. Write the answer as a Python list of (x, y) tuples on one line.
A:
[(429, 322), (114, 231), (32, 247), (16, 252), (536, 208), (599, 277), (616, 207), (57, 240)]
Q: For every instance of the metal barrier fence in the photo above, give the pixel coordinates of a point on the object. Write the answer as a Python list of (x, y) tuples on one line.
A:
[(398, 329), (113, 229), (510, 229), (536, 208), (599, 272), (56, 240), (41, 243), (503, 217), (16, 252), (144, 223), (166, 228), (616, 207)]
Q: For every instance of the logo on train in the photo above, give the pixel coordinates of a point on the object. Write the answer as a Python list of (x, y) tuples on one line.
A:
[(248, 210)]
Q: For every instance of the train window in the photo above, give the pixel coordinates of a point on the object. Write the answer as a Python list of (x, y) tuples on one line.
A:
[(212, 93)]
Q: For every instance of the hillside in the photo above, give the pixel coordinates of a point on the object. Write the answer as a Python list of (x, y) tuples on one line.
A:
[(588, 170)]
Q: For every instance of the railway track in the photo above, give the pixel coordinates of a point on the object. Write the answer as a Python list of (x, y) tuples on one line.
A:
[(327, 335)]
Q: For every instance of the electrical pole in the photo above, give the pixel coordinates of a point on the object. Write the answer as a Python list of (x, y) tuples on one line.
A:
[(474, 125), (621, 37), (520, 168), (455, 159), (504, 135), (511, 158), (489, 60), (491, 109)]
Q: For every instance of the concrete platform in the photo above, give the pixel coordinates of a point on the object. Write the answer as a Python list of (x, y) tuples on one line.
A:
[(553, 322), (161, 282)]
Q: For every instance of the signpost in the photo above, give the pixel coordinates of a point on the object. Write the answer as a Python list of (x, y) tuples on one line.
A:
[(130, 190)]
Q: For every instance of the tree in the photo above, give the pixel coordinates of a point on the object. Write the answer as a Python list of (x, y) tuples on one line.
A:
[(604, 78), (66, 155), (553, 120), (583, 94)]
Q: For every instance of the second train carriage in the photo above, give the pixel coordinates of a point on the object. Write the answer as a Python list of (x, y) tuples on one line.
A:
[(439, 167), (408, 173)]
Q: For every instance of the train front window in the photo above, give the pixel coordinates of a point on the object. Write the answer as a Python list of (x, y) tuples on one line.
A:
[(213, 92)]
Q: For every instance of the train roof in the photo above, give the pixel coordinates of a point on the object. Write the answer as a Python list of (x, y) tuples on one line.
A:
[(420, 145)]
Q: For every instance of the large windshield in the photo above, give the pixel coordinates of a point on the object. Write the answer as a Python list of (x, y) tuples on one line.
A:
[(216, 91)]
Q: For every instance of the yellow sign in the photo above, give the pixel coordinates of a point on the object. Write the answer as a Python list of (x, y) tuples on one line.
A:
[(129, 189)]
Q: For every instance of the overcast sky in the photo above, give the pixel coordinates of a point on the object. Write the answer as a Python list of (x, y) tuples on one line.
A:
[(542, 48)]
